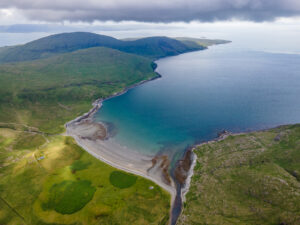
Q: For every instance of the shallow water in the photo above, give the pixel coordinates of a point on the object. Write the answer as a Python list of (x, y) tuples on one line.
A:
[(202, 93)]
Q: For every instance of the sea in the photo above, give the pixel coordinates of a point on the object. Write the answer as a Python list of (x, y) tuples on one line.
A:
[(200, 94)]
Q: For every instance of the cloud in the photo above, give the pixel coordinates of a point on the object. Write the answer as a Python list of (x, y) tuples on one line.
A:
[(102, 27), (153, 10)]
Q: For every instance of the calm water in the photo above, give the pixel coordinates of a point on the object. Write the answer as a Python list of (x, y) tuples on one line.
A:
[(203, 93)]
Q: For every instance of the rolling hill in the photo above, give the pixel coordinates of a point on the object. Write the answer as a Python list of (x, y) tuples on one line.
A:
[(157, 47), (152, 47), (30, 91)]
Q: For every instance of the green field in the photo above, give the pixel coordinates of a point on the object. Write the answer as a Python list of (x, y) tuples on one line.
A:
[(59, 183), (69, 197), (122, 180), (247, 179)]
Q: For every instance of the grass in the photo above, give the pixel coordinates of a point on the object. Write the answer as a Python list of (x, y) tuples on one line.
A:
[(121, 179), (79, 165), (151, 47), (48, 191), (66, 84), (69, 197), (8, 215), (247, 179), (29, 141)]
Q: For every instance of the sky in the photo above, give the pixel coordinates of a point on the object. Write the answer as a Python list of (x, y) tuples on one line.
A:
[(237, 20), (147, 11)]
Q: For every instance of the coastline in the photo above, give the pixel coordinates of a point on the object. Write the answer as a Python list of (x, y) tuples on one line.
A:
[(150, 167), (222, 136), (190, 174), (185, 187), (98, 102), (85, 132)]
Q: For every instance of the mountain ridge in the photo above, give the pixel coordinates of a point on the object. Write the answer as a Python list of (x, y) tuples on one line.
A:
[(150, 47)]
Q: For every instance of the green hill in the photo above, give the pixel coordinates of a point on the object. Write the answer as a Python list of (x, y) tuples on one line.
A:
[(54, 44), (156, 47), (45, 177), (247, 179), (31, 91), (152, 47)]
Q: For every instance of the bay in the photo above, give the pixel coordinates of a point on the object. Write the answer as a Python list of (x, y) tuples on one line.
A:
[(202, 93)]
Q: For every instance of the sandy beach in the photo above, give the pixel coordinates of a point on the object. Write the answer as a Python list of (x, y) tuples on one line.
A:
[(93, 137)]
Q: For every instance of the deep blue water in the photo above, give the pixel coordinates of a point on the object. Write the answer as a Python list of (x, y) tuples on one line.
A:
[(202, 93)]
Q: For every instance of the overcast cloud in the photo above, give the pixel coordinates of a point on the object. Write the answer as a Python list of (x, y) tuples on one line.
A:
[(152, 10)]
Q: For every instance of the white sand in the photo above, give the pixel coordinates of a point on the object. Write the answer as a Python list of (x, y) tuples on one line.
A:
[(116, 155)]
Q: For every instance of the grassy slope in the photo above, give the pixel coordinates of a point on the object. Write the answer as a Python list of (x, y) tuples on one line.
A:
[(247, 179), (152, 47), (156, 47), (40, 96), (33, 191), (66, 84), (194, 42), (54, 44)]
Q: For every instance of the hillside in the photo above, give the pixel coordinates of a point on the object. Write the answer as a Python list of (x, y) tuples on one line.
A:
[(152, 47), (45, 177), (156, 47), (65, 84), (192, 42), (247, 179)]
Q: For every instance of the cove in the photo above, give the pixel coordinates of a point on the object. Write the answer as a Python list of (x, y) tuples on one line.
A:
[(202, 93)]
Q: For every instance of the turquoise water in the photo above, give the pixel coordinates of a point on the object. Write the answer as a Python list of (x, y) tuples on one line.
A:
[(202, 93)]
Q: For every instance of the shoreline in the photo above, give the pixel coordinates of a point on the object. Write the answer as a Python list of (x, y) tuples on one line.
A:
[(222, 136), (97, 104), (186, 187), (114, 154), (149, 167), (190, 174)]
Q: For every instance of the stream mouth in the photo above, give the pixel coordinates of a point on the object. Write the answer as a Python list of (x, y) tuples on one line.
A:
[(177, 206), (180, 175)]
